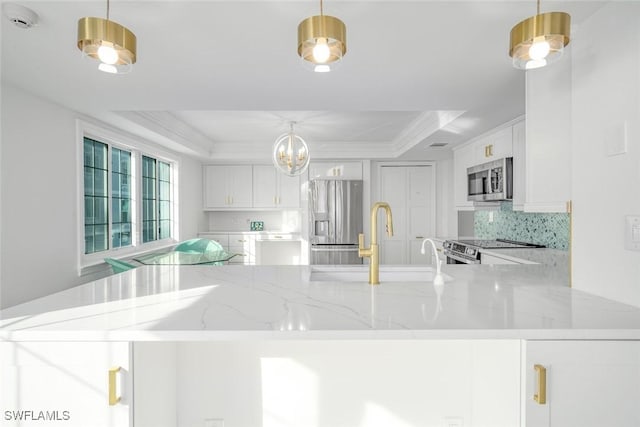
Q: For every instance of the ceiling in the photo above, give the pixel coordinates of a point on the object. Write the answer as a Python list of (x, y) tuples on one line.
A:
[(222, 80)]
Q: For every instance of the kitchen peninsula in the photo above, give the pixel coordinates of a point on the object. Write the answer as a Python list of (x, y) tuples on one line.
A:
[(203, 339), (287, 302)]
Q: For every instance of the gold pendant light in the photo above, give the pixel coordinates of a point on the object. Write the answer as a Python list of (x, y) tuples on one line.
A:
[(108, 42), (322, 41), (539, 40), (291, 153)]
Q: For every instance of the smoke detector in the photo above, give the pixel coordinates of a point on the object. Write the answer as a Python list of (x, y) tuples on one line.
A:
[(22, 17)]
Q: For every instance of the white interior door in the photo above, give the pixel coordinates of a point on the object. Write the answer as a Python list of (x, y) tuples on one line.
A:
[(410, 191), (393, 250)]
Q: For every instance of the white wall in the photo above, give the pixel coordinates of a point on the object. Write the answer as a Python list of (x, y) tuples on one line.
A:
[(39, 218), (446, 215), (605, 188)]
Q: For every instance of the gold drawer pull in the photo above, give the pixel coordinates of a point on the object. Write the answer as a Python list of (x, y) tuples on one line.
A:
[(113, 398), (277, 237), (242, 241), (541, 387)]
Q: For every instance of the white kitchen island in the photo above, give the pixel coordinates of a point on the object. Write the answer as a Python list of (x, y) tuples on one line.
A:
[(272, 346)]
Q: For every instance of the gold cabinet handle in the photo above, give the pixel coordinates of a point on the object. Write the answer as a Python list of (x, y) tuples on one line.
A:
[(540, 395), (113, 398), (277, 237), (488, 150), (419, 237)]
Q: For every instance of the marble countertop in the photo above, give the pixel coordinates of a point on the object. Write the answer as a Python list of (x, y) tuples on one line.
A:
[(281, 302)]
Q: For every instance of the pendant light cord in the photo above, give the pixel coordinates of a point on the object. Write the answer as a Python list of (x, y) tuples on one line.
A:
[(321, 12), (108, 9), (538, 13)]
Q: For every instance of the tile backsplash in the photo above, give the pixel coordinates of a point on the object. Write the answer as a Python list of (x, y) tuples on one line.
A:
[(550, 229)]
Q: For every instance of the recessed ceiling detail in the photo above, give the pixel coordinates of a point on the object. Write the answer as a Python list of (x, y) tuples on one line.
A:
[(219, 135)]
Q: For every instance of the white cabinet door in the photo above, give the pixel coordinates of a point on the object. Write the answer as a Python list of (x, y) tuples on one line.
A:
[(588, 383), (548, 138), (228, 187), (273, 189), (66, 383), (330, 383), (288, 191), (495, 146), (241, 186), (245, 246), (216, 193), (335, 170), (463, 158), (265, 192)]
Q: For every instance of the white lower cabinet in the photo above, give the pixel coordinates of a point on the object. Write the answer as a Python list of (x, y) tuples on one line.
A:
[(587, 384), (66, 384), (362, 383), (359, 383), (244, 245)]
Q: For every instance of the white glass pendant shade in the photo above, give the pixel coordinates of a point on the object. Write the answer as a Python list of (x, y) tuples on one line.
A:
[(539, 40), (109, 43), (291, 154), (322, 42)]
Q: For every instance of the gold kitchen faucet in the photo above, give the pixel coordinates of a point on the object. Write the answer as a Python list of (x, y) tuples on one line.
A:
[(373, 251)]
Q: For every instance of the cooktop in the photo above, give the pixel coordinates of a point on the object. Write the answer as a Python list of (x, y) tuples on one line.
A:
[(499, 244)]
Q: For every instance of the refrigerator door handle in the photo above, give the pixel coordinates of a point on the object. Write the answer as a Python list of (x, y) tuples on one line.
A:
[(334, 249)]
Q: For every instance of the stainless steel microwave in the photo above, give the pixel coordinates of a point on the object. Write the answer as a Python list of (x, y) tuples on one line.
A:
[(491, 181)]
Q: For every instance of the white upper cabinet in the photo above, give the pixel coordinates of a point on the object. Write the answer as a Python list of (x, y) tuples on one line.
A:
[(495, 146), (335, 170), (232, 187), (272, 189), (228, 187), (548, 138)]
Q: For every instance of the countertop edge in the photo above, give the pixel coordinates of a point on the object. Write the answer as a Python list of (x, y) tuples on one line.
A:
[(329, 335)]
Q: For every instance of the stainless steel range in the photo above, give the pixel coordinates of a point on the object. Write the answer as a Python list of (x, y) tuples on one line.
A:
[(468, 251)]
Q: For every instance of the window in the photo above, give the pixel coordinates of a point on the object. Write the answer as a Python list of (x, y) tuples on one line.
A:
[(121, 198), (96, 200), (156, 199), (119, 215)]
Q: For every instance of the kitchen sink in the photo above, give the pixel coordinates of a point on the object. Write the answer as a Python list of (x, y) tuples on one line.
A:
[(360, 273)]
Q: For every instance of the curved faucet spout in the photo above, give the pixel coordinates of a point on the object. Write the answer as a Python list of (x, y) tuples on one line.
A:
[(438, 279), (373, 251)]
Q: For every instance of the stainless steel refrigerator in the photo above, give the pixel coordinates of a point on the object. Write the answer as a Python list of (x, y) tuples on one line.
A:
[(335, 220)]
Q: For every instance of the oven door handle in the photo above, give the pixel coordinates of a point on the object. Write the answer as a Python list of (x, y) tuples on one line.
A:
[(461, 259)]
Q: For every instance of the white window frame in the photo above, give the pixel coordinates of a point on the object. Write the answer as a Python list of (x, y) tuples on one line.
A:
[(138, 147)]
